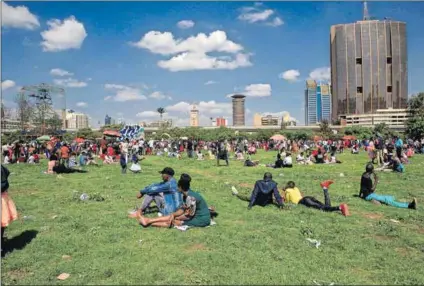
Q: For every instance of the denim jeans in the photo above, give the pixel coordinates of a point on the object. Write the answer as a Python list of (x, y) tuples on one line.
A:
[(388, 200)]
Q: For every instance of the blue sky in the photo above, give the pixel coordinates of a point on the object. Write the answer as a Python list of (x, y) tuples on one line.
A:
[(126, 59)]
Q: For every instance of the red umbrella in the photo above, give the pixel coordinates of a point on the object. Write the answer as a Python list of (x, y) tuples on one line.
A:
[(112, 133)]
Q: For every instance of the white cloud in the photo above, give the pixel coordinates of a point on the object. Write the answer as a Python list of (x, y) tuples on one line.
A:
[(124, 93), (70, 82), (82, 104), (255, 15), (185, 24), (7, 84), (18, 17), (148, 114), (192, 53), (209, 82), (276, 22), (60, 72), (290, 75), (255, 90), (323, 74), (158, 95), (63, 35)]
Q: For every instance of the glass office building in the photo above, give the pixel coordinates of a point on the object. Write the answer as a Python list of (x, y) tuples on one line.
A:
[(317, 102), (368, 67)]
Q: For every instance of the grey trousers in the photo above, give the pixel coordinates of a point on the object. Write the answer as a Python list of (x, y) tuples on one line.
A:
[(148, 199)]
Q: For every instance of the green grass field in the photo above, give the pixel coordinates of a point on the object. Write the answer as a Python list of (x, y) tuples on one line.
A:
[(260, 246)]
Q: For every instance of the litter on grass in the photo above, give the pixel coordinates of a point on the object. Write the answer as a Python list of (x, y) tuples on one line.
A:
[(395, 221), (63, 276), (342, 175), (316, 283), (186, 227), (314, 242)]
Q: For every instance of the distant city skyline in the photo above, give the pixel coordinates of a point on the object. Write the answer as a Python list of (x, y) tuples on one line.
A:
[(145, 59)]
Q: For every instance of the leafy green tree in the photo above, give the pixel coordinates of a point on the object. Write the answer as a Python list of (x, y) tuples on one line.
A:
[(415, 123), (325, 129)]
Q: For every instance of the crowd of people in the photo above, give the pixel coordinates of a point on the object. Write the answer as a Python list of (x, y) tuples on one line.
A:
[(178, 205)]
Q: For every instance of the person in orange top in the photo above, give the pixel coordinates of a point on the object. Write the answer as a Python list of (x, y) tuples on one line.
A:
[(64, 154)]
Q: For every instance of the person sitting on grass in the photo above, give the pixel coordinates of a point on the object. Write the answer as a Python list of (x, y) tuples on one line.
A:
[(368, 188), (288, 161), (200, 155), (262, 193), (73, 160), (165, 195), (398, 166), (293, 195), (300, 159), (278, 164), (194, 212)]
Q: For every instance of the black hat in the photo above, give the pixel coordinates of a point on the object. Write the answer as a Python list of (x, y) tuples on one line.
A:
[(168, 171)]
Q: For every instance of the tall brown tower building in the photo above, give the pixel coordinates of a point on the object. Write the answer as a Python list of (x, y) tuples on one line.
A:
[(238, 110), (368, 66)]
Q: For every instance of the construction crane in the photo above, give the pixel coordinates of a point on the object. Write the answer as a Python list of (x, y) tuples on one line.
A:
[(42, 95)]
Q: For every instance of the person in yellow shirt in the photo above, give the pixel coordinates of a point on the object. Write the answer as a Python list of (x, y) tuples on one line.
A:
[(293, 195)]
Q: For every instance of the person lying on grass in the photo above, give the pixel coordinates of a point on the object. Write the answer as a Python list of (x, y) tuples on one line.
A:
[(262, 193), (368, 188), (293, 195), (194, 212), (165, 194)]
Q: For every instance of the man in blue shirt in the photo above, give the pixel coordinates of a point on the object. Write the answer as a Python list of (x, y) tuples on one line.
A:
[(165, 194)]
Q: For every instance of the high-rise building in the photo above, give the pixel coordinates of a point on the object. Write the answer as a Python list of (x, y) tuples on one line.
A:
[(194, 116), (317, 102), (108, 120), (221, 121), (238, 110), (76, 120), (368, 66)]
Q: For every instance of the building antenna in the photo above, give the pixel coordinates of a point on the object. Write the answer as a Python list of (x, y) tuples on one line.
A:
[(366, 15)]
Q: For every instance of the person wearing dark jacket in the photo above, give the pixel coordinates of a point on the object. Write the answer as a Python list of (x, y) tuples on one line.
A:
[(262, 193)]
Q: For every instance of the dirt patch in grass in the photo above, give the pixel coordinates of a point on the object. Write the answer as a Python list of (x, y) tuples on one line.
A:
[(196, 247), (403, 251), (373, 216), (381, 237), (246, 185), (18, 274), (239, 222)]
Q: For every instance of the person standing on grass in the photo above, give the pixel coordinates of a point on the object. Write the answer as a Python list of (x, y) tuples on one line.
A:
[(368, 188), (8, 208), (262, 193), (293, 195), (165, 194), (193, 213)]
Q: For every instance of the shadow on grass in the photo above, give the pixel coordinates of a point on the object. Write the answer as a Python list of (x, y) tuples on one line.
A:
[(18, 242)]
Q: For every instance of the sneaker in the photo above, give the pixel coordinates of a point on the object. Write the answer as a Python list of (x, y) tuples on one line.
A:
[(234, 191), (344, 209), (326, 184), (413, 204)]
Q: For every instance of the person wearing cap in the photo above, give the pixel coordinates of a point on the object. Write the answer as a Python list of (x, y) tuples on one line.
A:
[(262, 193), (193, 213), (368, 188), (165, 194)]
